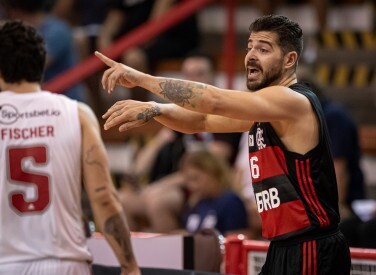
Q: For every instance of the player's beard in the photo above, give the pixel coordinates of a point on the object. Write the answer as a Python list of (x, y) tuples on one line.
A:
[(268, 78)]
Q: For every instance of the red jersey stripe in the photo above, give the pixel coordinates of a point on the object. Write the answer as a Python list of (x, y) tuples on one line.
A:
[(309, 258), (323, 213), (271, 159), (302, 188), (282, 216), (311, 198), (314, 258)]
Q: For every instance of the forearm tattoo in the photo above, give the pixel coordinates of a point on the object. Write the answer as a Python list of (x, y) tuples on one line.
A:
[(116, 226), (180, 92), (90, 157), (100, 189), (90, 160), (148, 114)]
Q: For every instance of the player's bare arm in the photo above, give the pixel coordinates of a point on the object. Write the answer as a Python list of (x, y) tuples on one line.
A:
[(287, 110), (130, 114), (269, 104), (107, 209)]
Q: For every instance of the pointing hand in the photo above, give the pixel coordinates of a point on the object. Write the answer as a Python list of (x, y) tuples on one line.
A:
[(118, 74)]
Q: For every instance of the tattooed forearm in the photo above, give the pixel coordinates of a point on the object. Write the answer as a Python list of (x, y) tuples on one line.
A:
[(116, 226), (180, 92), (148, 114), (90, 157)]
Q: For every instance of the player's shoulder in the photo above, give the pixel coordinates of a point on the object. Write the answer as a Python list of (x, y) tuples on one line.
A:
[(86, 114), (85, 109)]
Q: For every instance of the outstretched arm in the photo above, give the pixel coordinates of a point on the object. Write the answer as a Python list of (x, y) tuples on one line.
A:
[(288, 111), (273, 103), (130, 113), (107, 209)]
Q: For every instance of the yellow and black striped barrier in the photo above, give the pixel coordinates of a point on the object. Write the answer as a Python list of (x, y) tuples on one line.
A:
[(347, 39), (358, 74), (342, 75)]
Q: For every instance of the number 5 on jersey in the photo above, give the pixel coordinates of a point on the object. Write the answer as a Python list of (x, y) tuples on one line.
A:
[(19, 175)]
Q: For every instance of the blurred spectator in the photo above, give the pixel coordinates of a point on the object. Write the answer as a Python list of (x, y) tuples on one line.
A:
[(61, 51), (157, 162), (201, 67), (155, 179), (225, 145), (154, 197), (125, 16), (211, 202), (86, 18), (169, 146)]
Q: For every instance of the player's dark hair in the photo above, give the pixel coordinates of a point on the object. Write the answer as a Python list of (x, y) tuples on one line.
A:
[(22, 53), (289, 33)]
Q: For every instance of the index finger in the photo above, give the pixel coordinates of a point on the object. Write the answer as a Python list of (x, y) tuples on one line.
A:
[(114, 108), (109, 62)]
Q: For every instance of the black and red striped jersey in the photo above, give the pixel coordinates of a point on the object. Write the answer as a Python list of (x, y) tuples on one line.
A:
[(295, 193)]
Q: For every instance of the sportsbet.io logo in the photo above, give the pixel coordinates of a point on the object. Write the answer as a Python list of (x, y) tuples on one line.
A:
[(8, 114)]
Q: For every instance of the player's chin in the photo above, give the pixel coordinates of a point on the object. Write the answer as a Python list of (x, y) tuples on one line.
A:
[(251, 86)]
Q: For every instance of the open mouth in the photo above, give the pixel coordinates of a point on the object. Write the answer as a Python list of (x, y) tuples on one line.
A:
[(253, 72)]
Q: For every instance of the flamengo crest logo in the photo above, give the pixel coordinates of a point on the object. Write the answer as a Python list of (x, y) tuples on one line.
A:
[(260, 139)]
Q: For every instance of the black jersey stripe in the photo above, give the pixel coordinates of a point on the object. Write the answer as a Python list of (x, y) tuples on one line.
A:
[(286, 191)]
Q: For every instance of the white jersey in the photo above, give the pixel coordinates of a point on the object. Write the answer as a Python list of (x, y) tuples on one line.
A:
[(242, 163), (40, 178)]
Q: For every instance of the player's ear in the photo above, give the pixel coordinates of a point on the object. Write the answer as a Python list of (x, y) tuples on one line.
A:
[(290, 59)]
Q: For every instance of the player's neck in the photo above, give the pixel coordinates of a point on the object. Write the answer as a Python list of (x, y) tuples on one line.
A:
[(23, 87), (289, 80)]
